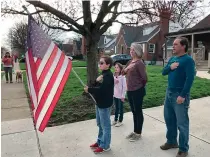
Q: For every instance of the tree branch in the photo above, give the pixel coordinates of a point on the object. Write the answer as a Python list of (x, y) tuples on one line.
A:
[(110, 21), (57, 27), (59, 14), (11, 11)]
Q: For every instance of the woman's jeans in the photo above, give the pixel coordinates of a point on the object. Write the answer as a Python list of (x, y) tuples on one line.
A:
[(176, 116), (135, 99), (8, 70), (104, 125), (118, 109)]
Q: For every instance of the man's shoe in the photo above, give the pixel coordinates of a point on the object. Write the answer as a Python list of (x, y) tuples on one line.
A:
[(167, 146), (181, 154)]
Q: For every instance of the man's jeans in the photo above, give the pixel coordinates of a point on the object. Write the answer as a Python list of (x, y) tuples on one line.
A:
[(176, 116), (104, 124), (118, 109)]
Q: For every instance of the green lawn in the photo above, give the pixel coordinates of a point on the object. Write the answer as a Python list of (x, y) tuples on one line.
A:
[(75, 63), (2, 68), (78, 63), (73, 106), (22, 66)]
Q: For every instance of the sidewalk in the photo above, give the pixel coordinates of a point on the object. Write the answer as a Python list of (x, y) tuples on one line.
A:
[(17, 129), (203, 74), (73, 140)]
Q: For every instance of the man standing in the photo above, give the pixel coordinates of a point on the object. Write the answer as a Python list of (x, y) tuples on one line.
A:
[(181, 71)]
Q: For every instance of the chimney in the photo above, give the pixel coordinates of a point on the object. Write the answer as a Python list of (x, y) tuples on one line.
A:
[(165, 15)]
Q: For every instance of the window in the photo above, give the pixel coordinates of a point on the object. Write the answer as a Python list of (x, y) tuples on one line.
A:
[(151, 48)]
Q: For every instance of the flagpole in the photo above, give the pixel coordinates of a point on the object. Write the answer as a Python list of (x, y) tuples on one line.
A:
[(83, 84), (38, 142)]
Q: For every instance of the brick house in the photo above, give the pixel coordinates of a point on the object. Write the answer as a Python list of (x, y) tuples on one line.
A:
[(151, 36)]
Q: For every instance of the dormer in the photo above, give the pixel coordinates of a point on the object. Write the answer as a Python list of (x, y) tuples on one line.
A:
[(106, 40), (148, 30)]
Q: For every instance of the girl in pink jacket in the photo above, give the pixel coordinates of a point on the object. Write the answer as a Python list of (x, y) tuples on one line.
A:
[(119, 94)]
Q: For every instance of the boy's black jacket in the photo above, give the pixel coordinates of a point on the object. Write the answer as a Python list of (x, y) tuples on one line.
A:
[(103, 92)]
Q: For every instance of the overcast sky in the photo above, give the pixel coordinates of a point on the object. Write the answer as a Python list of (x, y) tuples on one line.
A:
[(8, 22)]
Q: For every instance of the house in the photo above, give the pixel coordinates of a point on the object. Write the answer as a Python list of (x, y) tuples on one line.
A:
[(199, 40), (72, 47), (151, 36), (106, 44)]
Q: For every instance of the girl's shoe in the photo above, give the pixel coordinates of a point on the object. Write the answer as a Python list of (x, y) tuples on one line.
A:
[(114, 123), (118, 124)]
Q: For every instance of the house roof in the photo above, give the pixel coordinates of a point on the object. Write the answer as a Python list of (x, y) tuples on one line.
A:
[(203, 23), (145, 38), (111, 44), (101, 41), (202, 26), (130, 33), (135, 34)]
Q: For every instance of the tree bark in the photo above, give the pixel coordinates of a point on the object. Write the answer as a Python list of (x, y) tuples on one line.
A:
[(92, 61)]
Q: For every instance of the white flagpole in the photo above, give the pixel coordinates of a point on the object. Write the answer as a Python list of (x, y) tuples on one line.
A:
[(83, 84)]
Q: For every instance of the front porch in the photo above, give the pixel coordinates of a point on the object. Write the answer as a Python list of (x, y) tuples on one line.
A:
[(199, 46)]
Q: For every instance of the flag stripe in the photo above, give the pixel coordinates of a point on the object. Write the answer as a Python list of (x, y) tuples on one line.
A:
[(29, 90), (49, 74), (47, 66), (33, 70), (52, 92), (56, 97), (31, 85), (38, 61), (45, 59), (49, 86)]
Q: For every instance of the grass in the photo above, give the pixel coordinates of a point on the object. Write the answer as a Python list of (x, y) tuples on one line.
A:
[(73, 106), (75, 63), (2, 68), (78, 63), (22, 66)]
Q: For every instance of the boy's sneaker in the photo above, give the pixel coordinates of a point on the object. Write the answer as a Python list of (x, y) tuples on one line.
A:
[(118, 124), (95, 145), (135, 137), (130, 135), (101, 150), (114, 123)]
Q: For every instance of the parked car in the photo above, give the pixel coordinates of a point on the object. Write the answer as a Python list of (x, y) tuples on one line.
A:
[(71, 58), (121, 58)]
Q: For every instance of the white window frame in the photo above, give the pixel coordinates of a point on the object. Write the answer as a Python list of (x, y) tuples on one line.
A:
[(150, 48)]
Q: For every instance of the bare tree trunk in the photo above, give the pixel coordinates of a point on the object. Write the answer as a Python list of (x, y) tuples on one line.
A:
[(92, 62)]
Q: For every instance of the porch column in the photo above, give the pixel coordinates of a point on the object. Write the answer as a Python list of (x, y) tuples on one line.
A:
[(192, 48), (209, 60)]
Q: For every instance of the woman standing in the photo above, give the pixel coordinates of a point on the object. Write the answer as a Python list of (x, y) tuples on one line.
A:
[(136, 78), (8, 65)]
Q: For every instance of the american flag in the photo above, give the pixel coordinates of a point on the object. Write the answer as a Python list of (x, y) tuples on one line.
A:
[(47, 70)]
